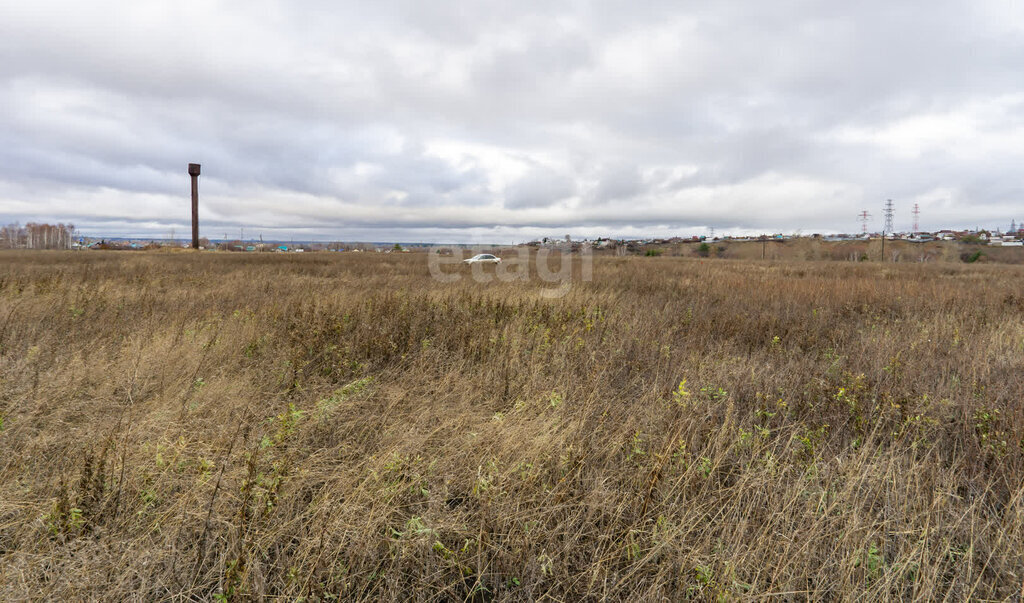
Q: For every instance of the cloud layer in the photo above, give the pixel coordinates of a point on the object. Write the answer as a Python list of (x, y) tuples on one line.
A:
[(404, 120)]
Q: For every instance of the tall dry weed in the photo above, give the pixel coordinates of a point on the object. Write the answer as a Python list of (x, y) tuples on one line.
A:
[(341, 426)]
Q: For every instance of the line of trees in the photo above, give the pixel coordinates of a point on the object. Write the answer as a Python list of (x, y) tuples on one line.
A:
[(36, 236)]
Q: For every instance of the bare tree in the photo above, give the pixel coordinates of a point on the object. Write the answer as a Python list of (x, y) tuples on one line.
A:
[(37, 236)]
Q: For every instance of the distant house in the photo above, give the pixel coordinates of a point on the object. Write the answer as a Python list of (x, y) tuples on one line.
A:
[(1005, 241)]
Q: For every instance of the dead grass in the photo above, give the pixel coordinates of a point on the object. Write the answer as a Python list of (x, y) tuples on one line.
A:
[(341, 426)]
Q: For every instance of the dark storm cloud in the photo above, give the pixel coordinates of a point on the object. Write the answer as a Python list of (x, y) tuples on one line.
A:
[(463, 120)]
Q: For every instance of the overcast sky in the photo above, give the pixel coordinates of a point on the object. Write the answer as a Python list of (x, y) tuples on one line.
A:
[(479, 121)]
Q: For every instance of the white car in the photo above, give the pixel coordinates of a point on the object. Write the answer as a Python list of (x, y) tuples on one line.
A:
[(483, 258)]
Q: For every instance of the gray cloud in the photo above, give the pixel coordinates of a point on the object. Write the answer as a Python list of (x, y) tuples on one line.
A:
[(463, 120), (617, 182), (541, 186)]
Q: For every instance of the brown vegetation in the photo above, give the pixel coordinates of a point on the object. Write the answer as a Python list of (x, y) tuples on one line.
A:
[(341, 426), (812, 249)]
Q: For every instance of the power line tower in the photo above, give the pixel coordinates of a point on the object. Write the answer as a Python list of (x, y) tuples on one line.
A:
[(864, 217), (917, 216), (889, 212)]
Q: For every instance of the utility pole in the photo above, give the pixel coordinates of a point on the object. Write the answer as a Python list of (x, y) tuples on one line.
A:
[(883, 245), (764, 244), (889, 212), (193, 171), (864, 217)]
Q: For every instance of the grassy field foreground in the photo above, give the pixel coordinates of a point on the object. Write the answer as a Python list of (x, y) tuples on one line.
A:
[(343, 426)]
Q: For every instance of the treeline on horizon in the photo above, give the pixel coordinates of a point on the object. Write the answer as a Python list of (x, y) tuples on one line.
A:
[(36, 236)]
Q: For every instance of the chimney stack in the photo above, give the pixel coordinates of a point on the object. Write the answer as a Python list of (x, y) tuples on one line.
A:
[(193, 170)]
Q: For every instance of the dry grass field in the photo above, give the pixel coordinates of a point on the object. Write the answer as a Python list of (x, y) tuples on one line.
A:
[(344, 427)]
